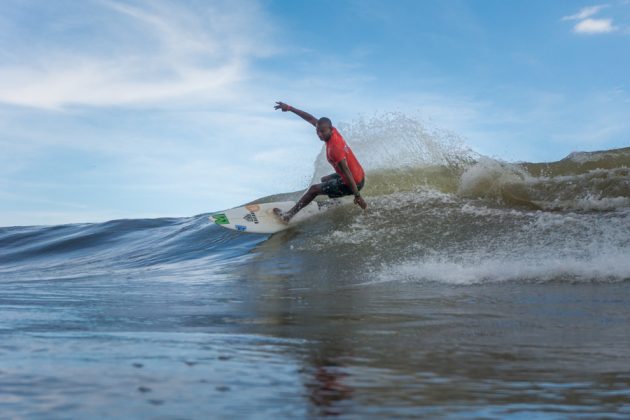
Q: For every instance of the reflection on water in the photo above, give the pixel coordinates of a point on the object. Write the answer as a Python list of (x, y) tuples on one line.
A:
[(283, 344), (424, 348), (327, 389)]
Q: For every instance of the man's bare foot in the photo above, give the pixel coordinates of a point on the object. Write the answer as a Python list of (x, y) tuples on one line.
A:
[(283, 217)]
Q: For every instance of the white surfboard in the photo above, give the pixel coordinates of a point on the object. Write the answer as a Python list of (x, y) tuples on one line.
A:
[(259, 218)]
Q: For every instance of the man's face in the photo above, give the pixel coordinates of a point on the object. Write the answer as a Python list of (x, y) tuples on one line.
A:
[(324, 131)]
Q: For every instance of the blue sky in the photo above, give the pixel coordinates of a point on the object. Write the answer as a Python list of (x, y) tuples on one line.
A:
[(129, 109)]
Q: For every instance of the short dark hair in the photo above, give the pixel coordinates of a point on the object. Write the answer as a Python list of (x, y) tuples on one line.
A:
[(324, 120)]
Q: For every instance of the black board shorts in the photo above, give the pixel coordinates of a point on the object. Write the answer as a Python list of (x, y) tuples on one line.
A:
[(335, 188)]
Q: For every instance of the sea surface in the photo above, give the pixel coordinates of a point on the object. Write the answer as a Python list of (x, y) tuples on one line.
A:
[(471, 288)]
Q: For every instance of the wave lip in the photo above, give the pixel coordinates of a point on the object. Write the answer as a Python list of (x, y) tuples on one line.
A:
[(598, 181), (69, 251)]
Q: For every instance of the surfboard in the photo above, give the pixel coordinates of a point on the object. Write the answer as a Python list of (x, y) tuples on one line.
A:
[(259, 218)]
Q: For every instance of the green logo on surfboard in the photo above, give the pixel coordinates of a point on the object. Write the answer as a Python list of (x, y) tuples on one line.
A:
[(220, 219)]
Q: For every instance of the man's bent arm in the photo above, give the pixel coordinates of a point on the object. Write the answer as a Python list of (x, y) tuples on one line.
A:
[(346, 171), (358, 200), (303, 114)]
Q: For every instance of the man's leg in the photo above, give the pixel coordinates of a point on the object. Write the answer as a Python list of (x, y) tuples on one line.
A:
[(310, 194), (329, 178)]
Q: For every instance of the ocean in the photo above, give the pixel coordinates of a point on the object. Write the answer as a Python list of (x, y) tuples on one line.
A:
[(471, 288)]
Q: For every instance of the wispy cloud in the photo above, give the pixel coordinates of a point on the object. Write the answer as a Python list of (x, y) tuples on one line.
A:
[(155, 99), (199, 52), (585, 12)]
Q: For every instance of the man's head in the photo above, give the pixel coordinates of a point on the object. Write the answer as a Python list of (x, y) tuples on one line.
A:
[(324, 128)]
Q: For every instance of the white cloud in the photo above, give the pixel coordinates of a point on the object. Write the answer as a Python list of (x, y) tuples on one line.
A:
[(156, 52), (100, 83), (585, 12), (594, 26), (587, 24)]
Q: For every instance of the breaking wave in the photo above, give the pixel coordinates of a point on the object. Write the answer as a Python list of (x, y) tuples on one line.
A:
[(438, 212)]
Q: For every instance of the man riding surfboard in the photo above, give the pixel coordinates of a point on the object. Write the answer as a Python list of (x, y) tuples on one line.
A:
[(349, 176)]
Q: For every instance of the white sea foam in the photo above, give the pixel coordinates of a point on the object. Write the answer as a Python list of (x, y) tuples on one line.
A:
[(589, 202), (535, 246), (484, 211), (397, 141), (488, 176), (607, 267)]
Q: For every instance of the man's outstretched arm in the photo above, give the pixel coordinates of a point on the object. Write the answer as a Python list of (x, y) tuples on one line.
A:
[(305, 115)]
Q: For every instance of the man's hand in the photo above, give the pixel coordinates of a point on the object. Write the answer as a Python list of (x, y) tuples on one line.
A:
[(281, 105), (304, 115), (359, 201)]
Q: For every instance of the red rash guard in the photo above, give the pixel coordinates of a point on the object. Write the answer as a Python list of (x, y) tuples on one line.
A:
[(336, 151)]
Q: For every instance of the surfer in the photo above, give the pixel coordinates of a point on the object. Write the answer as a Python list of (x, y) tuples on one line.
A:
[(348, 178)]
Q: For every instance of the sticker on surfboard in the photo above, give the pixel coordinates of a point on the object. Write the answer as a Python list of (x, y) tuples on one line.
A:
[(220, 219)]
